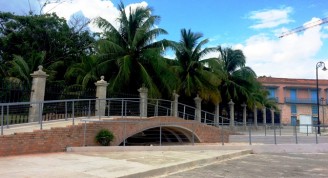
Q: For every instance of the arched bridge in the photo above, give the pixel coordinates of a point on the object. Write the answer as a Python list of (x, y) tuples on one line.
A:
[(155, 130)]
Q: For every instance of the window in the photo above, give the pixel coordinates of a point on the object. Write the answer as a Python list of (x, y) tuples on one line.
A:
[(293, 109), (314, 109), (314, 95), (272, 93), (293, 95)]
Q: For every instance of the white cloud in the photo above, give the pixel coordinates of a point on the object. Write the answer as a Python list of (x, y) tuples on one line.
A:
[(271, 18), (292, 56), (91, 9)]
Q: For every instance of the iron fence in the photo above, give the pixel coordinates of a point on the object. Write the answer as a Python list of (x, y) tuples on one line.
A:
[(281, 134), (14, 92), (68, 110)]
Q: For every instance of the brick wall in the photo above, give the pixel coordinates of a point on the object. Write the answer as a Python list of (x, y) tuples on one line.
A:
[(57, 139)]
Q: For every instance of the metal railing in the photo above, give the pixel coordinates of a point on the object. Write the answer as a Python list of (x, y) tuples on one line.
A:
[(301, 100), (69, 110), (281, 134)]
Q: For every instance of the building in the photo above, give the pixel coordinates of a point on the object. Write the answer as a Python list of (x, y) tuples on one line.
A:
[(296, 97)]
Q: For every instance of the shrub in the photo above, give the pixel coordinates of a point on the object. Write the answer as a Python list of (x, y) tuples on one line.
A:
[(104, 137)]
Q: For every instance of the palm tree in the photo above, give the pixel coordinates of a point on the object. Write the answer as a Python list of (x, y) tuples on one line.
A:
[(260, 98), (130, 56), (20, 68), (196, 77), (85, 73), (239, 81)]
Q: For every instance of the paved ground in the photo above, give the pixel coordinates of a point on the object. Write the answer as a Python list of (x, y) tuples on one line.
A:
[(282, 160), (96, 164), (231, 160), (265, 165)]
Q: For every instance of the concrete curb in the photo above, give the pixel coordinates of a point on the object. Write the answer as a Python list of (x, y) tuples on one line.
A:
[(188, 165), (256, 148)]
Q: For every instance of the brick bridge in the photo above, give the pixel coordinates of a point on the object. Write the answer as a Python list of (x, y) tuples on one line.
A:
[(58, 138)]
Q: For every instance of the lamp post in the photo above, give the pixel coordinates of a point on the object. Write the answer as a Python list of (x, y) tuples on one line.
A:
[(319, 64)]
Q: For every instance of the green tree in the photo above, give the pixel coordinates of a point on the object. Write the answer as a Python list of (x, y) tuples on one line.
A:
[(239, 81), (130, 56), (28, 35), (84, 73), (194, 73)]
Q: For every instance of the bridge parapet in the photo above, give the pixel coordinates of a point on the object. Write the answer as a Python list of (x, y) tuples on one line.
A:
[(58, 138)]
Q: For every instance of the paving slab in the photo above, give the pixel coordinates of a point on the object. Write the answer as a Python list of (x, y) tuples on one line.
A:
[(268, 165), (110, 164)]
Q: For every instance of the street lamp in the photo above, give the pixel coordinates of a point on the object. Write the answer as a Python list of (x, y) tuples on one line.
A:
[(319, 64)]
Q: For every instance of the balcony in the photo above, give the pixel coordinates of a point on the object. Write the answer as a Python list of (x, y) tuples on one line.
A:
[(276, 99), (301, 100)]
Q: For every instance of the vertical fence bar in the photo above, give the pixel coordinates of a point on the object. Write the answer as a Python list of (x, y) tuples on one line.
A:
[(316, 135), (122, 108), (296, 135), (125, 108), (156, 108), (222, 136), (89, 109), (66, 117), (108, 111), (265, 134), (40, 115), (167, 112), (275, 136), (7, 117), (160, 134), (1, 120), (205, 118), (279, 130), (184, 111), (124, 133), (250, 134), (73, 112), (85, 128)]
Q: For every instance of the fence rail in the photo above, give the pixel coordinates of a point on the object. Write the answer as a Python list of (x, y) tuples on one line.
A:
[(69, 109), (281, 134)]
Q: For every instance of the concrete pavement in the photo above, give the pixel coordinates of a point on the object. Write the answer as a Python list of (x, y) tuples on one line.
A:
[(264, 165), (97, 164), (154, 161)]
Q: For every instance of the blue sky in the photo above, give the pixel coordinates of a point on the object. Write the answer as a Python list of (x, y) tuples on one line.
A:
[(252, 26)]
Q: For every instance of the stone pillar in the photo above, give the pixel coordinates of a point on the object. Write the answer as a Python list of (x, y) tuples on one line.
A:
[(244, 114), (264, 115), (217, 115), (272, 116), (101, 96), (175, 104), (198, 111), (232, 113), (255, 116), (143, 92), (37, 94)]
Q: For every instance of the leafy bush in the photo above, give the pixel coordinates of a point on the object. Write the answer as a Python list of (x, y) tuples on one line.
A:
[(104, 137)]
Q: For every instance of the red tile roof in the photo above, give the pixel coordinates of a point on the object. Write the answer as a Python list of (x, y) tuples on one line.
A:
[(272, 80)]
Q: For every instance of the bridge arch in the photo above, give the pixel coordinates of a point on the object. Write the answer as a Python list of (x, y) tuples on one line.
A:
[(166, 134)]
